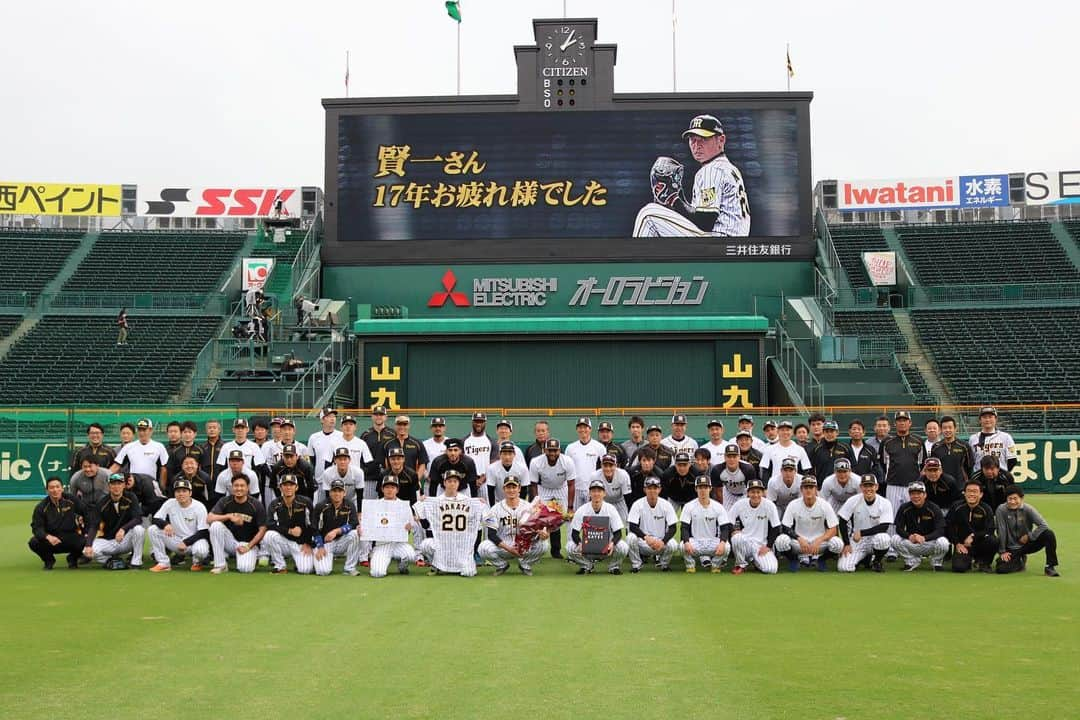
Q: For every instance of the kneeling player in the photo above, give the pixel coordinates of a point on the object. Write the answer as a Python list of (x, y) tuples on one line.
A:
[(1022, 531), (384, 552), (756, 525), (288, 529), (864, 527), (616, 548), (335, 532), (809, 529), (120, 530), (920, 530), (237, 526), (652, 524), (180, 527), (705, 530), (502, 522)]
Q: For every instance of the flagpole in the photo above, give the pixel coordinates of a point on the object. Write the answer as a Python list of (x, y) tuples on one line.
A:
[(673, 87), (459, 58), (787, 65), (346, 73)]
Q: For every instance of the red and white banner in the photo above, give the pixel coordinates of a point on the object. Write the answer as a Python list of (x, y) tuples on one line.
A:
[(221, 201), (881, 267), (254, 272), (891, 194)]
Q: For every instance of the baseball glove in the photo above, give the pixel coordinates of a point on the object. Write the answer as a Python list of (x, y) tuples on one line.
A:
[(666, 179)]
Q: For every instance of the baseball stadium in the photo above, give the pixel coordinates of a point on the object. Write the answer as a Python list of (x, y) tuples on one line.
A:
[(565, 402)]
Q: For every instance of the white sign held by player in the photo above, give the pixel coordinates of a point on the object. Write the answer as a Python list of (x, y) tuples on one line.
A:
[(385, 521)]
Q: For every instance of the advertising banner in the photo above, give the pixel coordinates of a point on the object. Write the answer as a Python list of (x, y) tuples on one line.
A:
[(508, 176), (1052, 187), (220, 201), (254, 272), (59, 199), (927, 193), (881, 267)]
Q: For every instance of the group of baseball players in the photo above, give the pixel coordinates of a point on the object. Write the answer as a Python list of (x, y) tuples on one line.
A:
[(795, 492)]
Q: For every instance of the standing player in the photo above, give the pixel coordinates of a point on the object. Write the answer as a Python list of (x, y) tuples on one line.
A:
[(251, 453), (864, 458), (991, 441), (350, 476), (652, 523), (324, 441), (771, 432), (95, 447), (455, 459), (607, 439), (237, 525), (809, 529), (746, 425), (616, 549), (731, 477), (301, 469), (502, 522), (335, 533), (784, 489), (541, 433), (383, 552), (415, 456), (783, 448), (955, 455), (360, 455), (478, 446), (841, 485), (663, 456), (678, 441), (644, 468), (288, 529), (435, 445), (552, 476), (716, 443), (706, 530), (118, 523), (585, 454), (678, 481), (179, 526), (451, 522), (864, 527), (147, 460), (616, 483), (755, 527), (504, 433), (920, 530), (828, 450), (236, 466), (509, 462), (718, 205), (747, 452), (376, 437), (636, 440)]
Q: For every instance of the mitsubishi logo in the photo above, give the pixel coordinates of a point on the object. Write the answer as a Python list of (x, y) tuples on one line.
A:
[(438, 299)]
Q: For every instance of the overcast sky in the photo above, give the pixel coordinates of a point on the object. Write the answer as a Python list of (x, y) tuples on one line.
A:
[(228, 91)]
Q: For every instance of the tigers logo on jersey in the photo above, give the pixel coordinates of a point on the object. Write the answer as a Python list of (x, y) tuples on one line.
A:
[(708, 196)]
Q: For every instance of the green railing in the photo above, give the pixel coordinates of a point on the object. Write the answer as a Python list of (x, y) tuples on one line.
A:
[(997, 294), (16, 300), (91, 302)]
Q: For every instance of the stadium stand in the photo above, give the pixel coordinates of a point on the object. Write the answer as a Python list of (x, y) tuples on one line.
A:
[(72, 359), (32, 258), (851, 242), (1073, 228), (986, 253), (919, 389), (878, 325), (149, 261), (8, 323)]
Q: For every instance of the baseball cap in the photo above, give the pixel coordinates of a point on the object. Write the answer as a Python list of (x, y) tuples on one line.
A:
[(713, 422), (287, 478), (788, 463), (287, 421), (505, 422), (701, 480), (378, 410), (145, 424), (240, 422), (785, 424), (288, 449), (744, 433), (178, 484), (507, 447), (452, 473), (916, 486), (402, 420), (551, 444), (678, 420), (932, 464), (337, 484), (901, 415), (988, 411), (236, 454), (453, 443), (437, 421), (830, 425), (746, 418), (731, 449), (116, 477), (651, 428), (808, 481), (768, 424), (327, 411), (395, 452), (584, 421), (342, 452), (842, 464), (348, 419), (390, 480), (868, 479), (510, 480), (682, 457), (755, 484), (600, 484), (703, 126), (608, 459), (478, 416), (606, 426), (652, 481), (276, 421)]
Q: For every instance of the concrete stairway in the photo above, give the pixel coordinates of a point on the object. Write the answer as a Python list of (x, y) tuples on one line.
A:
[(917, 356)]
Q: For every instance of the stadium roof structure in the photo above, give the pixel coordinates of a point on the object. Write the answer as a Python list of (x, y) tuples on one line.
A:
[(563, 325)]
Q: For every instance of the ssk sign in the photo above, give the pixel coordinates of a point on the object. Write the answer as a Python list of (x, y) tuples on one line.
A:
[(933, 193), (216, 201)]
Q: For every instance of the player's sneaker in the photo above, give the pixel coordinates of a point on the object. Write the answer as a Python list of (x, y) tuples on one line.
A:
[(365, 563), (793, 565), (821, 564), (876, 566), (501, 569), (717, 568), (160, 568), (219, 569), (403, 567), (583, 571), (49, 565), (938, 568), (279, 571), (910, 568), (1051, 571), (738, 570), (615, 571), (634, 570), (525, 570), (263, 561), (691, 568), (196, 567), (665, 568), (433, 571), (351, 573)]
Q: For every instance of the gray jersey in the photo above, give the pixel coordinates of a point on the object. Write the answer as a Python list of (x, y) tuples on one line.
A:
[(616, 489), (836, 494), (719, 188), (781, 493), (497, 472)]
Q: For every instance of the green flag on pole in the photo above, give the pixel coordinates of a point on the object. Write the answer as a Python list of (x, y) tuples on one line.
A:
[(453, 10)]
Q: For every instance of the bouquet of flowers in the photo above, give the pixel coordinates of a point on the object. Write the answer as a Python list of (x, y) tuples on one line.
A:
[(543, 517)]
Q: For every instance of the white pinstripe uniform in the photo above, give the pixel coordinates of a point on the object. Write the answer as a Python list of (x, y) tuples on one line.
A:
[(384, 552), (279, 545), (809, 523), (347, 546), (551, 479), (684, 444), (454, 522), (754, 524), (861, 516), (185, 523), (652, 520), (999, 444), (573, 549), (107, 548), (705, 520), (505, 520), (224, 544), (718, 188)]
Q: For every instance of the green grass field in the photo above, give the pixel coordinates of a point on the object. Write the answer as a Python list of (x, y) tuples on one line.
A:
[(91, 643)]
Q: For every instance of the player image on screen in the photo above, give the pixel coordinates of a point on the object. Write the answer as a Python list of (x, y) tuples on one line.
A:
[(719, 205)]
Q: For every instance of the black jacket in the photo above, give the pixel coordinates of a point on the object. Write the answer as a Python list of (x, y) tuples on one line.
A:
[(68, 516), (963, 521), (927, 521), (110, 518), (283, 518)]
